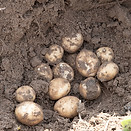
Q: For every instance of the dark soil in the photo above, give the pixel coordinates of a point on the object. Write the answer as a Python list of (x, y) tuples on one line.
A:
[(29, 27)]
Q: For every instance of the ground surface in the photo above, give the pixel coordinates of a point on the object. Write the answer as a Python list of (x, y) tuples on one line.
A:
[(28, 27)]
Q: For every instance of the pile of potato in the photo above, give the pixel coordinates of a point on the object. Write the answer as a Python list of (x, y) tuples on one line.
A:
[(95, 67)]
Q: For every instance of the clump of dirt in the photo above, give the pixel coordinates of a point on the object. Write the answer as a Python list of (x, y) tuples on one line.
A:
[(29, 27)]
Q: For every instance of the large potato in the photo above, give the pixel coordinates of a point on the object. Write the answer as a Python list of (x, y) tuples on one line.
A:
[(90, 88), (63, 70), (43, 70), (107, 71), (54, 54), (67, 106), (58, 88), (105, 54), (72, 43), (25, 93), (87, 63), (29, 113)]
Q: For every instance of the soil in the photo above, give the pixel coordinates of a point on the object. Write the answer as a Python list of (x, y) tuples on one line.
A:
[(29, 27)]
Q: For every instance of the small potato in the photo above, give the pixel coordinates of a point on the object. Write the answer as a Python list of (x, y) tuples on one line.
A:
[(67, 106), (54, 54), (25, 93), (90, 88), (105, 54), (87, 63), (63, 70), (43, 70), (72, 43), (58, 88), (107, 71), (29, 113)]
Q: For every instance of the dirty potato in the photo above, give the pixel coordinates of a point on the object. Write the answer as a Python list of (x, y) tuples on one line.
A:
[(90, 88), (63, 70), (54, 54), (105, 54), (29, 113), (58, 88), (25, 93), (107, 71), (87, 63), (72, 43), (67, 106), (43, 70)]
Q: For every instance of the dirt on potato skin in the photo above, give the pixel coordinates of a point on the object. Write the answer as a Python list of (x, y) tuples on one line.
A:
[(29, 27)]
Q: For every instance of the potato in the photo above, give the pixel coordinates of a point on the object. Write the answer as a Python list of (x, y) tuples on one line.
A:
[(29, 113), (54, 54), (67, 106), (105, 54), (72, 43), (90, 88), (107, 71), (63, 70), (58, 88), (43, 70), (25, 93), (87, 63)]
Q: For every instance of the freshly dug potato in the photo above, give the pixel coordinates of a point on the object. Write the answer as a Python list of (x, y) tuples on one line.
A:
[(105, 54), (107, 71), (67, 106), (54, 54), (63, 70), (87, 63), (29, 113), (72, 43), (90, 88), (58, 88), (25, 93), (44, 70)]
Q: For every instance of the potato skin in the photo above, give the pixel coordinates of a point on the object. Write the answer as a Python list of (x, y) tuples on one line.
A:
[(90, 88), (72, 43), (105, 54), (29, 113), (87, 63), (43, 70), (25, 93), (63, 70), (67, 106), (58, 88), (54, 54), (107, 71)]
